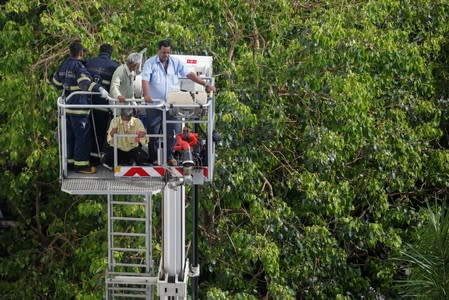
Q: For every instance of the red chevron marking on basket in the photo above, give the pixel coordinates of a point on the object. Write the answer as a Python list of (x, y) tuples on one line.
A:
[(136, 171), (180, 171), (160, 170)]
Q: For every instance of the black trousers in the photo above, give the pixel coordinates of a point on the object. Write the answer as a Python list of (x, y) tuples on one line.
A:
[(136, 155), (99, 126)]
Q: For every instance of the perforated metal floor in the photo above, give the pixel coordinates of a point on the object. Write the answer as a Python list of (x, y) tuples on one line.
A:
[(104, 183)]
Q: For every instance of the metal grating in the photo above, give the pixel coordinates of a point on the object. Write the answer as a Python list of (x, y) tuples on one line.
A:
[(104, 183), (111, 186)]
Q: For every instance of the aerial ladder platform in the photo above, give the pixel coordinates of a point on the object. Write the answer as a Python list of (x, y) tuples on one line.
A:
[(132, 271)]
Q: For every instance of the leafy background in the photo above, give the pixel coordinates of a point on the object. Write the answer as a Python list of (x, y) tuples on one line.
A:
[(334, 116)]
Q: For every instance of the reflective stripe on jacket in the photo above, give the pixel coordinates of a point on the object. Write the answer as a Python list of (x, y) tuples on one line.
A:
[(73, 76)]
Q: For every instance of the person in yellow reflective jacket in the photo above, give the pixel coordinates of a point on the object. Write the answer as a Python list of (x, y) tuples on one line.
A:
[(73, 76), (129, 148)]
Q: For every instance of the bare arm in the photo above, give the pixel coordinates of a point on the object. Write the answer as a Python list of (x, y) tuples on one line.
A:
[(146, 91), (192, 76), (113, 131)]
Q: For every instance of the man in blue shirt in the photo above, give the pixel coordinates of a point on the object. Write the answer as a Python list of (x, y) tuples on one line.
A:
[(161, 74)]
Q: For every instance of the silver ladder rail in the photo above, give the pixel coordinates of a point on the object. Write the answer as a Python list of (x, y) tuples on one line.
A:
[(130, 250)]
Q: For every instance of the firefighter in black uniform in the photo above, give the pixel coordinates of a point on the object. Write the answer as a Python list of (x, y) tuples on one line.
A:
[(101, 69), (73, 76)]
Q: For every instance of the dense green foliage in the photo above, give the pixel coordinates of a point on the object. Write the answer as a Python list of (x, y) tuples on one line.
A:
[(427, 259), (334, 116)]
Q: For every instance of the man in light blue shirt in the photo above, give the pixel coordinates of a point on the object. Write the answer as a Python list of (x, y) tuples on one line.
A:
[(161, 74)]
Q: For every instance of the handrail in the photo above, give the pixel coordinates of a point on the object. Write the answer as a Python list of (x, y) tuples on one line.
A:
[(188, 105), (156, 103)]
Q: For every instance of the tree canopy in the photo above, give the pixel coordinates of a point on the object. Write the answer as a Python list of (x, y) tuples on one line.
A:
[(334, 117)]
